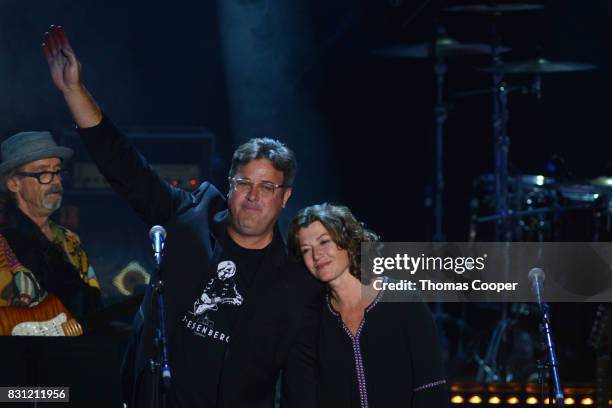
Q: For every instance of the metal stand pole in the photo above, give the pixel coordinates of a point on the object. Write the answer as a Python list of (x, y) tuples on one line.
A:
[(502, 143), (440, 114), (160, 365), (552, 364)]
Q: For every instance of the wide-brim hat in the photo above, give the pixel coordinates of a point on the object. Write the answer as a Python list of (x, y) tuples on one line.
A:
[(26, 147)]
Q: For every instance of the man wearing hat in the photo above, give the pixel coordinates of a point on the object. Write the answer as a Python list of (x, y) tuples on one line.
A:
[(38, 256)]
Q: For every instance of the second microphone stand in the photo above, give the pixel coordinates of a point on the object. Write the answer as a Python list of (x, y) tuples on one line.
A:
[(551, 361)]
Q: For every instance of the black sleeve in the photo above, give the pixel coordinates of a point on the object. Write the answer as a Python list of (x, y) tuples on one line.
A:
[(299, 373), (430, 387), (127, 371), (129, 174)]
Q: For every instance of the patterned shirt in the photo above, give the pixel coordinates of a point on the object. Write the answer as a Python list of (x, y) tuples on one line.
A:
[(19, 286)]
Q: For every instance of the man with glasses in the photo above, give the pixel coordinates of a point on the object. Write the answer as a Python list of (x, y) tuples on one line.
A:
[(38, 256), (238, 313)]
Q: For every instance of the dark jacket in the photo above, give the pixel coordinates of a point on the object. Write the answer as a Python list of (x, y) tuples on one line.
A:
[(395, 351), (277, 326)]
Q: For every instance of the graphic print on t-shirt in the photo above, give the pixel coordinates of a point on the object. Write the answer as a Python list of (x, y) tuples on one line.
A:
[(220, 291)]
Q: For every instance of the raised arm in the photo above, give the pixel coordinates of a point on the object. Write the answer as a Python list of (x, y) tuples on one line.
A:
[(123, 167), (65, 72)]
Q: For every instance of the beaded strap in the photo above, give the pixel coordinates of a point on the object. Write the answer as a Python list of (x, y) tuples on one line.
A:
[(430, 385)]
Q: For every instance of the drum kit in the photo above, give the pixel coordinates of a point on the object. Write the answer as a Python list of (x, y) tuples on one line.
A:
[(506, 206)]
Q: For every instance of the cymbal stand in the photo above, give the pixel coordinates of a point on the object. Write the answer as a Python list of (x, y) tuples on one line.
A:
[(501, 140), (440, 115)]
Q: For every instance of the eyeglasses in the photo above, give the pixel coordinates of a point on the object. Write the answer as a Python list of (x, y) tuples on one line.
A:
[(43, 177), (245, 186)]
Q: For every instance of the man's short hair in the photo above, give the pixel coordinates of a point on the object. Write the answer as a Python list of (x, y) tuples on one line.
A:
[(281, 157)]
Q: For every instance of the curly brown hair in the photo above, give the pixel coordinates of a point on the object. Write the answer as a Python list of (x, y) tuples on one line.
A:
[(341, 225)]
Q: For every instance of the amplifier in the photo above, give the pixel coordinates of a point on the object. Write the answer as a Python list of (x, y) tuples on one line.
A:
[(114, 237), (182, 156)]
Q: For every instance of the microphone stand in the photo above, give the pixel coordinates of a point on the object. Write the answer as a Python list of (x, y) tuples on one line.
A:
[(551, 361), (159, 365)]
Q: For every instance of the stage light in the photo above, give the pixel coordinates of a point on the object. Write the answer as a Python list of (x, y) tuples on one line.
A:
[(569, 401), (494, 400), (512, 401), (475, 399), (531, 401), (586, 401), (457, 399)]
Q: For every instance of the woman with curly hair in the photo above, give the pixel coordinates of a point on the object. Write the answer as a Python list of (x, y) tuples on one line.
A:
[(371, 353)]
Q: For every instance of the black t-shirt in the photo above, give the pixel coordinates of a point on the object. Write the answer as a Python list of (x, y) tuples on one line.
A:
[(198, 350)]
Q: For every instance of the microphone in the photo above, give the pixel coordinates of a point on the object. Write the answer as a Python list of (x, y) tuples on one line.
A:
[(157, 235), (536, 277)]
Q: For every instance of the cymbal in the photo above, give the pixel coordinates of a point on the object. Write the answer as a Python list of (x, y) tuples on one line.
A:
[(602, 181), (446, 47), (495, 9), (579, 191), (539, 65)]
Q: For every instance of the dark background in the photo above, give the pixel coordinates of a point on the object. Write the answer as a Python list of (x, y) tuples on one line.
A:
[(361, 125), (174, 64)]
